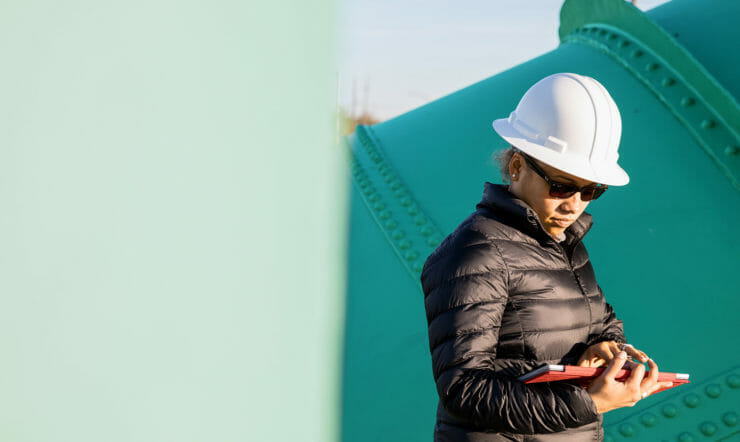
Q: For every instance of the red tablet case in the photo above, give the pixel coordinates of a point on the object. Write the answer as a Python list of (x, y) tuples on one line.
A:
[(584, 375)]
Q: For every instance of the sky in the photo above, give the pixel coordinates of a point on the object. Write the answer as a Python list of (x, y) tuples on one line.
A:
[(396, 55)]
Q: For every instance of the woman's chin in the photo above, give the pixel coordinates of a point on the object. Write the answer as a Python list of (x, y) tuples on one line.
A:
[(555, 231)]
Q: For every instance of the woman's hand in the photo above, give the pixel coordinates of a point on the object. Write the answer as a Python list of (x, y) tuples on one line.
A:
[(599, 355), (609, 394)]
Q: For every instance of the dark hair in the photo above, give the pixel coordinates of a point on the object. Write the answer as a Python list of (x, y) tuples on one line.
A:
[(502, 158)]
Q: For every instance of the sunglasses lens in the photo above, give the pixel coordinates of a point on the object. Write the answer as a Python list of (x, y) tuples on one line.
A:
[(598, 192), (561, 190), (591, 193), (587, 193)]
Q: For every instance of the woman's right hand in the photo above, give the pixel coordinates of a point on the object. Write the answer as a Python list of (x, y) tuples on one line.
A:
[(609, 394)]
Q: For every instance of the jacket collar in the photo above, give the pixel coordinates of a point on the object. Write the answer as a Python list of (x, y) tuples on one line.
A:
[(518, 214)]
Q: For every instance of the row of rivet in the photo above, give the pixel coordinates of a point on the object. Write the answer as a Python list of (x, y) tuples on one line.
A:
[(403, 227), (630, 54), (692, 400)]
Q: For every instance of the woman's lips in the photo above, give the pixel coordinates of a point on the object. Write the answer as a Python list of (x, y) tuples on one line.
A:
[(563, 222)]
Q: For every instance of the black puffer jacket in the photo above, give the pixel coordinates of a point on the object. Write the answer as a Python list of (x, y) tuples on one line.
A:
[(502, 297)]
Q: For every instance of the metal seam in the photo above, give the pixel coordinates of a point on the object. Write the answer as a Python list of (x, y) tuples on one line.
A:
[(410, 232)]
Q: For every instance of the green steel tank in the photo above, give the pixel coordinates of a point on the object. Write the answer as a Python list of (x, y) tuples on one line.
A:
[(664, 247)]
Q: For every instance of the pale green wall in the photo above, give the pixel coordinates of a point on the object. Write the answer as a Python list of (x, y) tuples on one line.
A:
[(172, 223)]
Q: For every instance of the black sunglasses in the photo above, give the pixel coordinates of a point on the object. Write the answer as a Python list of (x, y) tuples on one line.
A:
[(566, 190)]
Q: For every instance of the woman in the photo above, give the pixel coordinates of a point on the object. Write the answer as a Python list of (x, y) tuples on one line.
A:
[(512, 287)]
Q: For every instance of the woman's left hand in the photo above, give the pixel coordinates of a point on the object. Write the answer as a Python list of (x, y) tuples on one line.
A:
[(599, 355)]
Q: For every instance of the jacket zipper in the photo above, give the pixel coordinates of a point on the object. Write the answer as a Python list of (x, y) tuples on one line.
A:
[(580, 286), (534, 221)]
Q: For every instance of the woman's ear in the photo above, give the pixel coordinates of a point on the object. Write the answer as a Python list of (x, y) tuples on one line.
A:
[(515, 165)]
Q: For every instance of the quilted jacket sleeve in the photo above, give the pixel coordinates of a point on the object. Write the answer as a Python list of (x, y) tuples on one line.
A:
[(465, 290), (612, 330)]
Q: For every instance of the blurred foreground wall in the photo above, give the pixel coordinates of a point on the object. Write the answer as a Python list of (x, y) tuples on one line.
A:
[(172, 223)]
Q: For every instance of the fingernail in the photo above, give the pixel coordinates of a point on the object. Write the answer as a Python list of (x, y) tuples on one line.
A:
[(622, 354), (644, 358)]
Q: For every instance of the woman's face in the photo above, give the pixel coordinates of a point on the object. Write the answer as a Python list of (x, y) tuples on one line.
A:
[(555, 214)]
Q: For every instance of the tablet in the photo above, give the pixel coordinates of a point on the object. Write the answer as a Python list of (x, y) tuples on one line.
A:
[(584, 375)]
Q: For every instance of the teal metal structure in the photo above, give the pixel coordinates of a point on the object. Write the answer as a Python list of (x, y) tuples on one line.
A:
[(664, 247)]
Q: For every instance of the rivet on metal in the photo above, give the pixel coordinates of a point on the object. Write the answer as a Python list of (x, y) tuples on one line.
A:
[(707, 124), (391, 224), (420, 220), (385, 214), (687, 101), (612, 36), (405, 244), (648, 419), (733, 381), (627, 430), (708, 428), (417, 267), (400, 193), (405, 202), (412, 255), (670, 410), (685, 437), (731, 150), (668, 81), (374, 197), (413, 210), (624, 44), (652, 66), (379, 206), (426, 231), (691, 400), (432, 242), (730, 419), (713, 391), (398, 234), (637, 53)]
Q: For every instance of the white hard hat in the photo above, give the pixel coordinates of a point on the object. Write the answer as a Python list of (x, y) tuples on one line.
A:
[(571, 123)]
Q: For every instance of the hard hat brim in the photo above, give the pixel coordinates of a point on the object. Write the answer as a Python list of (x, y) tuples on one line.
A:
[(612, 175)]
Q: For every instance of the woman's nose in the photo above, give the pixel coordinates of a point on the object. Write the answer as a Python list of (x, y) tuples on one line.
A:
[(573, 203)]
